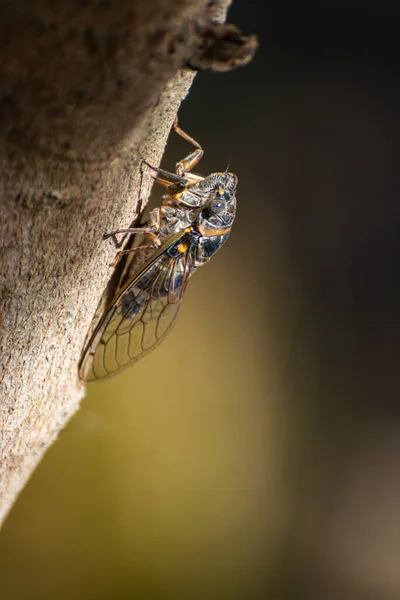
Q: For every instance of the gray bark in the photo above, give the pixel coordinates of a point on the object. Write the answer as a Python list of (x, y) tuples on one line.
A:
[(87, 90)]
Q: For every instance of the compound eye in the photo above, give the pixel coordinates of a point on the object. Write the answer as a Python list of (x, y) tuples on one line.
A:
[(218, 206)]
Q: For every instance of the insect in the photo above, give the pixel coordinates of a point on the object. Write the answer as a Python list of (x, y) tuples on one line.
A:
[(193, 222)]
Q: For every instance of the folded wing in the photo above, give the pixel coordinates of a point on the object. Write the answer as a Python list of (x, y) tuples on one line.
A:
[(141, 313)]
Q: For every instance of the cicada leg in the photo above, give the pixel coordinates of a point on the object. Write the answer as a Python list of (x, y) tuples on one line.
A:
[(129, 250), (190, 161), (173, 179), (150, 231), (182, 178)]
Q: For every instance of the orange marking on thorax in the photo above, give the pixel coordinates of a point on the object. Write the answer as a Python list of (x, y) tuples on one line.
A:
[(209, 231)]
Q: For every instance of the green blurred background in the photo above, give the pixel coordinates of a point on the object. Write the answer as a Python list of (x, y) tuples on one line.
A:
[(256, 453)]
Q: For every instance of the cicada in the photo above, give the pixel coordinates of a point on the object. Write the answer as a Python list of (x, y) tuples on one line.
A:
[(193, 222)]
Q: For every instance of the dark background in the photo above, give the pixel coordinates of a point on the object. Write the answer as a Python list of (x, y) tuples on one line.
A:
[(256, 453)]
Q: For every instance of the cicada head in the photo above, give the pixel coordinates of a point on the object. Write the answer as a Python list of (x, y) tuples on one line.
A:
[(215, 219), (218, 213)]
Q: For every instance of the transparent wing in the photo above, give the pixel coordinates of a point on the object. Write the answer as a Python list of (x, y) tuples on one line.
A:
[(141, 313)]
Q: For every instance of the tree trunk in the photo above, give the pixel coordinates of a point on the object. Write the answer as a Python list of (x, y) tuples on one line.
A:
[(87, 91)]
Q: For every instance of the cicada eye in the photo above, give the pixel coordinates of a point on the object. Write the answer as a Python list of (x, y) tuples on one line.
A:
[(218, 206)]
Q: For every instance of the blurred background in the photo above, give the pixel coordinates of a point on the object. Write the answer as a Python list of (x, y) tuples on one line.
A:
[(265, 462)]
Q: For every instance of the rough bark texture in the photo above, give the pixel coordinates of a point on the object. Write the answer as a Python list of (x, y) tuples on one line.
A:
[(87, 89)]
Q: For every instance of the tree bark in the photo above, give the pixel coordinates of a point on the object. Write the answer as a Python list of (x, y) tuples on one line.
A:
[(87, 91)]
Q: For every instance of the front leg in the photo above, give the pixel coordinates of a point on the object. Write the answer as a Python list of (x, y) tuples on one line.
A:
[(190, 161)]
